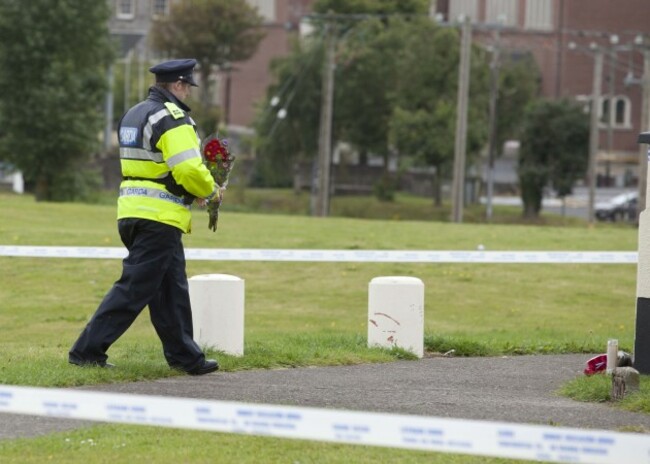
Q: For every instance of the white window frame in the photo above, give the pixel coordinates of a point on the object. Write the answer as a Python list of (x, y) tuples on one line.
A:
[(627, 111), (458, 8), (613, 103), (266, 9), (539, 15), (502, 12), (156, 14), (120, 14)]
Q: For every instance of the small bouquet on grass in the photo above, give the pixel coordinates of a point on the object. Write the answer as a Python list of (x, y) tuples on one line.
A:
[(219, 162)]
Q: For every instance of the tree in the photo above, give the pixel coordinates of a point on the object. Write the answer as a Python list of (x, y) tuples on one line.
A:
[(364, 101), (519, 86), (379, 7), (216, 33), (298, 78), (396, 90), (53, 64), (424, 119), (369, 48), (554, 150), (286, 124)]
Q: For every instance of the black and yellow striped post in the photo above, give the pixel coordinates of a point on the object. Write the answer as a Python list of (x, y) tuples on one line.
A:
[(642, 328)]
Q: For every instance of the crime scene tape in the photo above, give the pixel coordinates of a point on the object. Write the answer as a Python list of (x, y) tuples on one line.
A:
[(388, 256), (498, 439)]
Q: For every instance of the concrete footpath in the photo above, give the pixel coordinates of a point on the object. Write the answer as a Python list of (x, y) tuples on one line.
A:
[(508, 389)]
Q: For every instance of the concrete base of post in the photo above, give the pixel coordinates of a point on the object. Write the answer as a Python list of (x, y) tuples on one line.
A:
[(218, 312), (396, 313), (625, 380)]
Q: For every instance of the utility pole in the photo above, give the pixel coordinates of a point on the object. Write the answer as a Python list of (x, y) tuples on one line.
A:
[(140, 62), (611, 113), (458, 186), (593, 131), (492, 142), (321, 194), (108, 110), (127, 79), (227, 95), (645, 116)]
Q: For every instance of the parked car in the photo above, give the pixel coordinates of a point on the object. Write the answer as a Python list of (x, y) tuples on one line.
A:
[(622, 207)]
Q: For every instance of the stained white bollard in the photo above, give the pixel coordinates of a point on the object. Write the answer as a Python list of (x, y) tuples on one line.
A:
[(218, 311), (396, 313)]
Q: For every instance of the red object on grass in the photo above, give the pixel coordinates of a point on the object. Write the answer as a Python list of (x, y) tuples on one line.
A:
[(596, 364)]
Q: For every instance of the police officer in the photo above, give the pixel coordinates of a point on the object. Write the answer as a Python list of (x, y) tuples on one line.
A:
[(163, 174)]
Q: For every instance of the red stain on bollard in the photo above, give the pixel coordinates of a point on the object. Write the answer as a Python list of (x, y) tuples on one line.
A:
[(386, 315), (373, 323), (390, 339)]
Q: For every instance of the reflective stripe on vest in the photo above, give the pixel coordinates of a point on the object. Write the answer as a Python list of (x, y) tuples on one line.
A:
[(183, 156), (148, 128), (140, 154), (152, 193)]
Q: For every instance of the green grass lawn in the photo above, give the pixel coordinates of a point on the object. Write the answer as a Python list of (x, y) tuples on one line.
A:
[(300, 314), (406, 207), (111, 444)]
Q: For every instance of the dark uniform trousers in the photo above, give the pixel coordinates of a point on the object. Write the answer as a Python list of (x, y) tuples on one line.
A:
[(153, 274)]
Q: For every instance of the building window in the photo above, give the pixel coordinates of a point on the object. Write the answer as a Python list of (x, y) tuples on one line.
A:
[(502, 12), (265, 8), (125, 9), (458, 8), (620, 116), (622, 112), (159, 8), (604, 111), (539, 15)]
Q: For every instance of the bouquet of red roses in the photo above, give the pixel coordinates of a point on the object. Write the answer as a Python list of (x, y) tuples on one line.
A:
[(219, 162)]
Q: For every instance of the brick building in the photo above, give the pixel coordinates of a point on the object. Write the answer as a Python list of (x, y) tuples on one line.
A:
[(561, 35), (131, 22)]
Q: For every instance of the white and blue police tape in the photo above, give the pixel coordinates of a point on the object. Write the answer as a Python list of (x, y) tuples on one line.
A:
[(516, 441), (374, 256)]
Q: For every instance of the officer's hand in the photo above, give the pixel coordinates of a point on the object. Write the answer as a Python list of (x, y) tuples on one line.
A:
[(218, 196), (202, 202)]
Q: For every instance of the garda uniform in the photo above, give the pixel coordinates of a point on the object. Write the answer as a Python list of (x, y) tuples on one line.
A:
[(163, 173), (160, 157)]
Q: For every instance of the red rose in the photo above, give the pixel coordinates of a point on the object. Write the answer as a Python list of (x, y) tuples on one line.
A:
[(215, 148), (211, 150)]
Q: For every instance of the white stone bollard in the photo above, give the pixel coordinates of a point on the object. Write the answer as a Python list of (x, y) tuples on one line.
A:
[(17, 182), (612, 356), (218, 312), (396, 313)]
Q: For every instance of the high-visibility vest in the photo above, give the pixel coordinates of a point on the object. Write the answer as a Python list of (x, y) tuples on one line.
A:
[(161, 162)]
